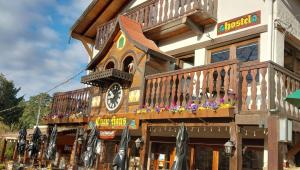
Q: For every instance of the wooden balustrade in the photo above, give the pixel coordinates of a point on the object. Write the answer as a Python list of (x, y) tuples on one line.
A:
[(251, 87), (254, 86), (213, 82), (283, 82), (71, 102), (154, 13)]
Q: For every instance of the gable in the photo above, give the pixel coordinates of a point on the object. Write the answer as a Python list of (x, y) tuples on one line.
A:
[(134, 34)]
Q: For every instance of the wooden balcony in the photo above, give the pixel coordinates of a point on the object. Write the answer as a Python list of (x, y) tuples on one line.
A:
[(220, 90), (70, 107), (251, 88), (161, 19)]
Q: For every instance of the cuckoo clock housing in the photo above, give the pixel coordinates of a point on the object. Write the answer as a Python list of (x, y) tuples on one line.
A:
[(118, 72)]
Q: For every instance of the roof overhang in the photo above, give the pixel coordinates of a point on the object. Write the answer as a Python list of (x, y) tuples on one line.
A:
[(97, 13)]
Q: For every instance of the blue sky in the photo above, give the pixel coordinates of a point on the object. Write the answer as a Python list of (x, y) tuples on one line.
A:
[(35, 51)]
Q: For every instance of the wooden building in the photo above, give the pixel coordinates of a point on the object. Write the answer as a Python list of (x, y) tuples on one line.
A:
[(223, 68)]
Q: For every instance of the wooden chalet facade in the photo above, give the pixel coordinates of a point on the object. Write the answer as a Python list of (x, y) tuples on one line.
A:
[(155, 64)]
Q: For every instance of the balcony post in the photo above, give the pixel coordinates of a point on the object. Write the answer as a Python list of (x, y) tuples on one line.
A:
[(237, 157), (15, 155), (144, 152), (275, 160)]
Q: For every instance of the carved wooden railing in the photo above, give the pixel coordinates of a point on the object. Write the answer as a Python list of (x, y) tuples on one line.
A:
[(163, 11), (71, 102), (255, 87), (213, 82), (282, 83), (154, 13)]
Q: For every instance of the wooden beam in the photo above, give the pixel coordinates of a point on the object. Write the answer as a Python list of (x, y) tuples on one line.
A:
[(88, 49), (250, 119), (144, 152), (189, 124), (274, 159), (215, 163), (15, 155), (3, 150), (193, 26), (192, 158), (236, 159), (83, 38)]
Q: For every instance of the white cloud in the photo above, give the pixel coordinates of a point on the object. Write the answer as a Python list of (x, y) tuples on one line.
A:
[(32, 53)]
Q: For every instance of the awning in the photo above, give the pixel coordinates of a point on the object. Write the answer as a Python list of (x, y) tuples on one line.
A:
[(294, 98), (111, 75)]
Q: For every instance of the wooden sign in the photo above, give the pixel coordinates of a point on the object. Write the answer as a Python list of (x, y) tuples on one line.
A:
[(115, 122), (107, 135), (239, 23)]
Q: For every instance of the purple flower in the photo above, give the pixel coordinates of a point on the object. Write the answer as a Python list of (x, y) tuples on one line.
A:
[(157, 109), (194, 107), (221, 100)]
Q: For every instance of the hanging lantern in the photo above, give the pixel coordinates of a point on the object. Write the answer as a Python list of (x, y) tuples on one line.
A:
[(229, 147)]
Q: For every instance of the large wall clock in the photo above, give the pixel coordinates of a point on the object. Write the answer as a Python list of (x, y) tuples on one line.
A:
[(114, 96)]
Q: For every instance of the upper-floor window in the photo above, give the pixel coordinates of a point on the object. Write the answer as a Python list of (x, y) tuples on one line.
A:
[(128, 64), (248, 52), (110, 65), (186, 61), (220, 55), (243, 51), (291, 58), (121, 42)]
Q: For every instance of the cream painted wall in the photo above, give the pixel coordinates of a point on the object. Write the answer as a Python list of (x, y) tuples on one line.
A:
[(288, 14), (227, 10)]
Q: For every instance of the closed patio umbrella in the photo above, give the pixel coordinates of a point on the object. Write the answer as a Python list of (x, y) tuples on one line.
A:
[(294, 98), (34, 146), (22, 141), (121, 160), (182, 140), (51, 150), (89, 156)]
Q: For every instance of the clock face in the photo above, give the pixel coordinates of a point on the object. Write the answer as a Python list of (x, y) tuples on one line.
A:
[(114, 96)]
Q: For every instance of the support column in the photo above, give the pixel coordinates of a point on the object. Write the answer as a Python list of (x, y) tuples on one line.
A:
[(274, 153), (25, 154), (41, 157), (265, 160), (3, 150), (215, 165), (236, 159), (73, 157), (15, 155), (192, 158), (144, 152)]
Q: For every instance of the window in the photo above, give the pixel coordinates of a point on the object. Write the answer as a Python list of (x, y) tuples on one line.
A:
[(128, 60), (110, 65), (247, 52), (186, 61), (243, 51), (291, 58), (121, 42), (220, 56)]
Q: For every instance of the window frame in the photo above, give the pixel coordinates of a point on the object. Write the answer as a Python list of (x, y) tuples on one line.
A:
[(232, 50)]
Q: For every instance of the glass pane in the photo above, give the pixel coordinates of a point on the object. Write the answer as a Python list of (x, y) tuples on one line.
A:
[(253, 160), (247, 53), (204, 157), (220, 56), (223, 160)]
